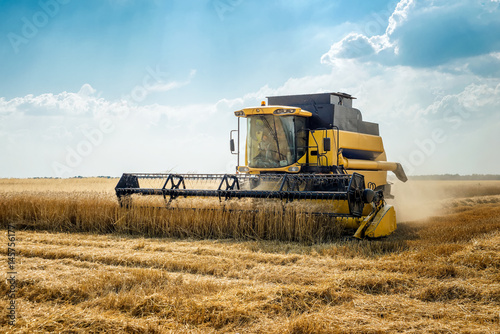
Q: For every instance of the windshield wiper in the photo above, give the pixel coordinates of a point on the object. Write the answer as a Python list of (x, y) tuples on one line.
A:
[(274, 134)]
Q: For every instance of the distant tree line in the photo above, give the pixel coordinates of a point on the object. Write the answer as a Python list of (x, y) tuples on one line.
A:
[(451, 177), (72, 177)]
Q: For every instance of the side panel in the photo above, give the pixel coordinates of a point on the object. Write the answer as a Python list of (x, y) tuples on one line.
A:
[(360, 145), (353, 145), (317, 151), (368, 146), (364, 147)]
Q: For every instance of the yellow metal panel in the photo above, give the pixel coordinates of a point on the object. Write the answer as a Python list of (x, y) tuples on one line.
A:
[(269, 110), (304, 113), (383, 224), (303, 159), (377, 177), (360, 141), (369, 165), (378, 224), (348, 140), (316, 139)]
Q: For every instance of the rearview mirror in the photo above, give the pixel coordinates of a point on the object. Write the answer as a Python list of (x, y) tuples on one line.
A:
[(231, 145), (327, 144)]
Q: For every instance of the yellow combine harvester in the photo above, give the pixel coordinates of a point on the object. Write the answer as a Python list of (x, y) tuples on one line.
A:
[(299, 147)]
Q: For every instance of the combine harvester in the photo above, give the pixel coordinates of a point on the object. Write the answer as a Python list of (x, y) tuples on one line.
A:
[(312, 147)]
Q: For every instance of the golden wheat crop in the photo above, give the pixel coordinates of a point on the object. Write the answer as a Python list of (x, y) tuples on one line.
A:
[(85, 265), (72, 206)]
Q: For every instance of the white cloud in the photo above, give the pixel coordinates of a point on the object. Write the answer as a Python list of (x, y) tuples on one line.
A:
[(356, 45), (480, 102), (84, 134), (65, 103), (424, 33), (399, 16)]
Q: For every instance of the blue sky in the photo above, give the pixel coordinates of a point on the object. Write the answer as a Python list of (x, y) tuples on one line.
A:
[(103, 87)]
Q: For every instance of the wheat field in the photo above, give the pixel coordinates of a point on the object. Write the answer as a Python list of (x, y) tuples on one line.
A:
[(84, 265)]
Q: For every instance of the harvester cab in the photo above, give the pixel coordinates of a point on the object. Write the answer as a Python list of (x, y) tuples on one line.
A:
[(315, 133), (300, 147)]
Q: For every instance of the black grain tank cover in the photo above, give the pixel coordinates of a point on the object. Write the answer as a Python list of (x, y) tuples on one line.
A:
[(328, 109)]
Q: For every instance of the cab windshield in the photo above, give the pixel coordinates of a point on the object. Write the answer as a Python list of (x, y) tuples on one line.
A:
[(272, 141)]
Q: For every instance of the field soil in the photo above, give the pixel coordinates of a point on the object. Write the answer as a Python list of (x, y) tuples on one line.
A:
[(438, 273)]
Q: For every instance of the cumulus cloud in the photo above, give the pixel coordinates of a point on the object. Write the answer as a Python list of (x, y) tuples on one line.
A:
[(425, 33), (66, 103), (357, 45), (80, 133), (478, 101)]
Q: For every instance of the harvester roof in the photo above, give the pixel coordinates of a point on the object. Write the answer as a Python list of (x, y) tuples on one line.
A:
[(328, 110), (273, 110)]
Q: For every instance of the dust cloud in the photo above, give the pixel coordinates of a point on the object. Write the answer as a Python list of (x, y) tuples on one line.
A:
[(417, 200), (414, 200)]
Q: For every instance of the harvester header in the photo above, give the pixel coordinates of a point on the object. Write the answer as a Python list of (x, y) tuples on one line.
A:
[(313, 147)]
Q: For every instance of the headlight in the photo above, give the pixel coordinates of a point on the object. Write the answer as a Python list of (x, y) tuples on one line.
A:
[(243, 169), (239, 113), (284, 111), (294, 169)]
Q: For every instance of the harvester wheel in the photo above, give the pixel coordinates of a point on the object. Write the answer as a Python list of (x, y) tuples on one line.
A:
[(355, 194)]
